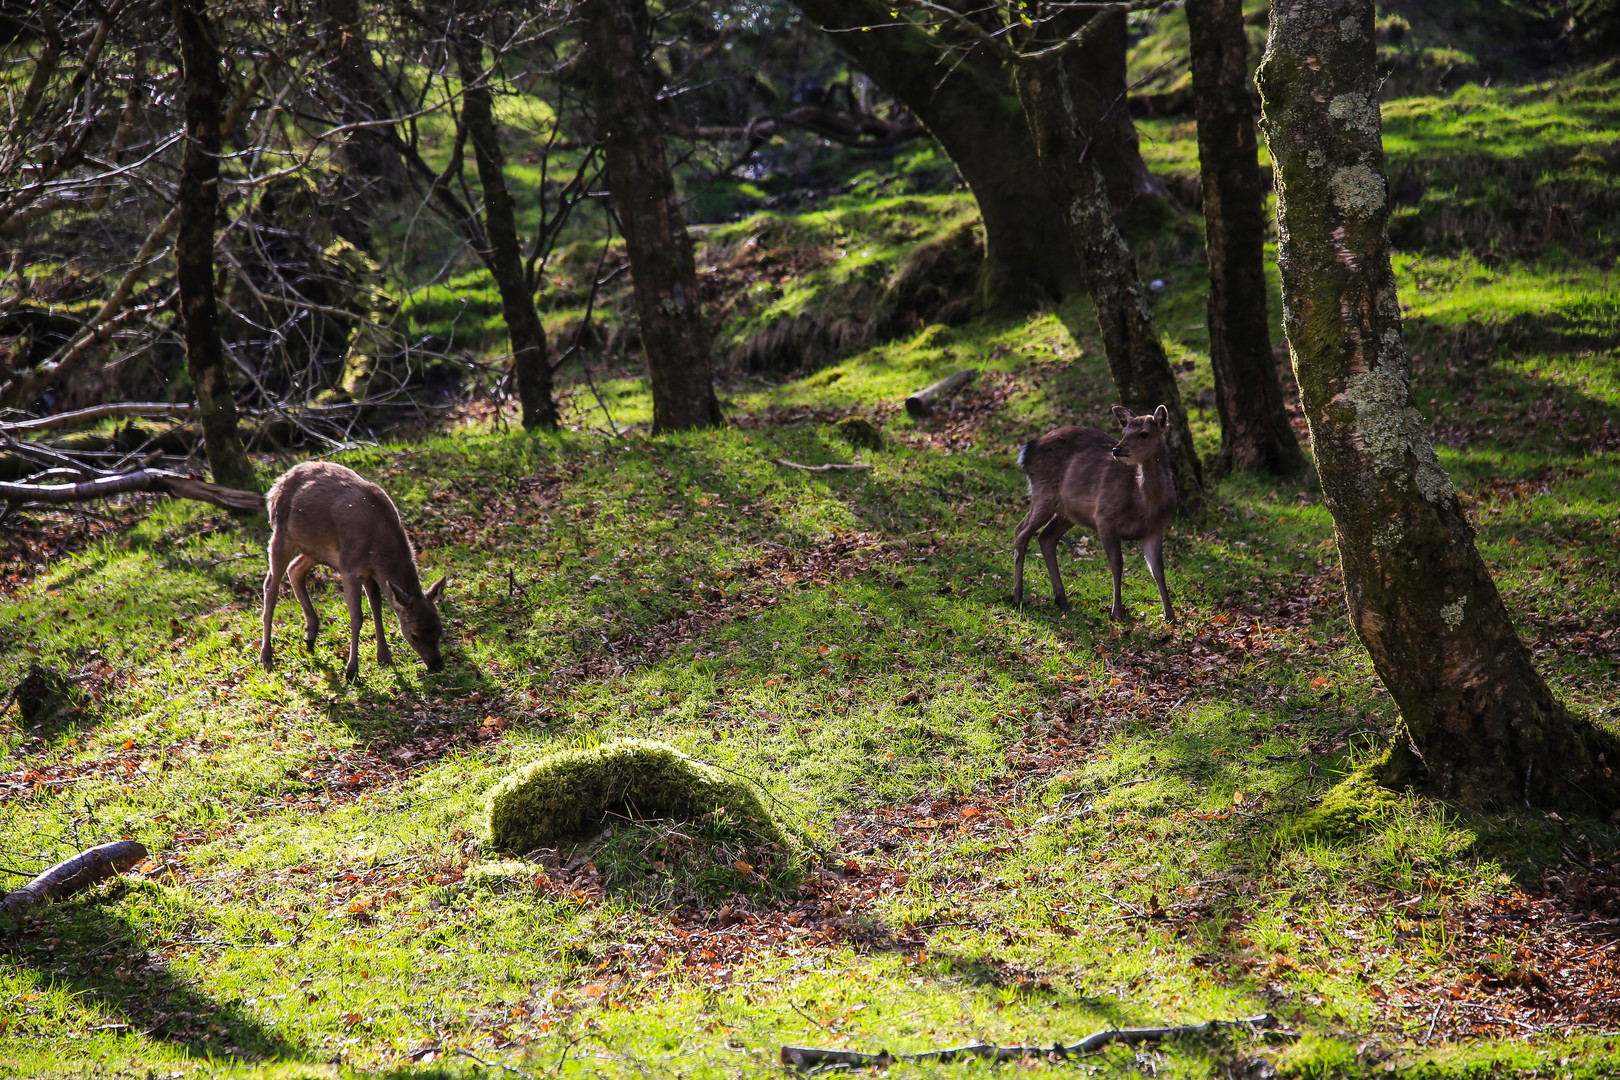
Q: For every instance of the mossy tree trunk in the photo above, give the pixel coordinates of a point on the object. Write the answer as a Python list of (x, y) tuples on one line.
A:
[(969, 103), (1136, 358), (531, 363), (673, 332), (1255, 434), (1481, 726), (197, 200)]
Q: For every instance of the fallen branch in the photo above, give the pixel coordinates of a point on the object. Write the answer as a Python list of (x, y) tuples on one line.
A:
[(831, 466), (99, 412), (72, 875), (806, 1058), (920, 406), (160, 480)]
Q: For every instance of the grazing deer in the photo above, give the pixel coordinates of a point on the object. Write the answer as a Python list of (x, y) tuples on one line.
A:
[(1121, 489), (325, 513)]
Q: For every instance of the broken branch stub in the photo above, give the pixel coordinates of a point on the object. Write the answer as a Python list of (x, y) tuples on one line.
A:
[(72, 875), (920, 405)]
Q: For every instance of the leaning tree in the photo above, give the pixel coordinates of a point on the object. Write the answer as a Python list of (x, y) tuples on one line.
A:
[(1480, 725)]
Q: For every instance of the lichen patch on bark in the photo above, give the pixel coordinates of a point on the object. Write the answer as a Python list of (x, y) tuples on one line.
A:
[(1389, 427), (1358, 191), (1357, 110), (1453, 613)]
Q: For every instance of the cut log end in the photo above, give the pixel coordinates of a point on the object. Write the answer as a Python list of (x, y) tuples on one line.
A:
[(921, 405)]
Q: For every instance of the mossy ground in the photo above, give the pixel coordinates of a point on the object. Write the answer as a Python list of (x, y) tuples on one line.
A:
[(1031, 826)]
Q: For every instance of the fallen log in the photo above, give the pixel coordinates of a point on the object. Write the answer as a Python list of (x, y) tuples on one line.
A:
[(801, 1057), (159, 480), (831, 466), (70, 876), (920, 406)]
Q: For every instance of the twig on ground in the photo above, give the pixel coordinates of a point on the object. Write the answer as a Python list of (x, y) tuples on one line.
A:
[(831, 466), (808, 1058)]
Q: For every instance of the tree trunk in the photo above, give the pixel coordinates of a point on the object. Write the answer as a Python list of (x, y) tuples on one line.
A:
[(968, 102), (531, 365), (673, 334), (1136, 357), (1255, 434), (1481, 727), (197, 201)]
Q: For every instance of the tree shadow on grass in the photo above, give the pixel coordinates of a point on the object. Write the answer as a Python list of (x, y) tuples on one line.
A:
[(99, 956)]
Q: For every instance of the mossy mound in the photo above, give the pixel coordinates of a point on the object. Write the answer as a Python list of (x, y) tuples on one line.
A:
[(564, 795), (1348, 807), (48, 699), (860, 432)]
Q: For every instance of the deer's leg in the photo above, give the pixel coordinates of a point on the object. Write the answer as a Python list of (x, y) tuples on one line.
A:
[(1038, 515), (297, 574), (1116, 563), (357, 619), (1049, 541), (272, 589), (374, 596), (1153, 551)]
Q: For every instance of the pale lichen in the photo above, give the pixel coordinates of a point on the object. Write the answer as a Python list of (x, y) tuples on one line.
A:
[(1349, 28), (1389, 427), (1314, 158), (1358, 191), (1357, 110), (1453, 613), (1390, 536)]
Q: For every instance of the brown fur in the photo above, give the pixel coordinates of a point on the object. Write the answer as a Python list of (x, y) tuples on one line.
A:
[(1120, 489), (324, 513)]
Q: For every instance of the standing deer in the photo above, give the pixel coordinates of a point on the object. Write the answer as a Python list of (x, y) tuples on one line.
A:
[(324, 513), (1121, 489)]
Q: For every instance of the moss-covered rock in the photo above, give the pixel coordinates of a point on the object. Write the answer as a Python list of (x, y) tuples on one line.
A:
[(565, 794), (860, 432)]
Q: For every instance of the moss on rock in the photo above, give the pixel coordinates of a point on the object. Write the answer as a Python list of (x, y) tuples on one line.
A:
[(860, 432), (563, 795)]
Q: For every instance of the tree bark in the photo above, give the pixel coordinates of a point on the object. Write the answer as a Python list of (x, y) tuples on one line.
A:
[(531, 364), (197, 201), (673, 334), (1481, 727), (1136, 358), (1255, 433), (968, 102)]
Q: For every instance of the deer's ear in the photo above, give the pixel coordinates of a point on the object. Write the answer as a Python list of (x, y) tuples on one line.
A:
[(1123, 415), (1162, 415), (401, 597), (436, 592)]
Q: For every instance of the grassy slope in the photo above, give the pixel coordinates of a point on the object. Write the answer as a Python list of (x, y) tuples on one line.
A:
[(1037, 826)]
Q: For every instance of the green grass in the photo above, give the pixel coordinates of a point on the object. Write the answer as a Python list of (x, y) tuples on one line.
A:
[(1026, 826)]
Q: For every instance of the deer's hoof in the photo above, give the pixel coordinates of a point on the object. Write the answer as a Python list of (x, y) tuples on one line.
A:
[(1063, 605), (267, 662), (351, 674)]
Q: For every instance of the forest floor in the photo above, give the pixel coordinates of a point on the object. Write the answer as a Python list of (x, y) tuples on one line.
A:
[(1025, 826)]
